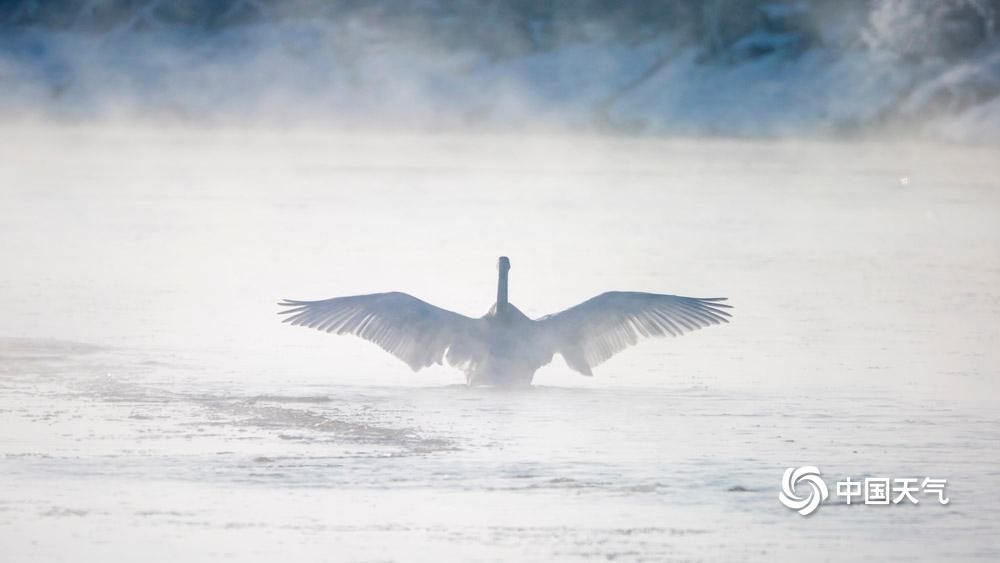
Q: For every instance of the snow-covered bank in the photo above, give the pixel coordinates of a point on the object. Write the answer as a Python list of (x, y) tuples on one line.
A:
[(745, 68)]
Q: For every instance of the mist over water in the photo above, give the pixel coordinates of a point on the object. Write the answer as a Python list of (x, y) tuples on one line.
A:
[(864, 278), (169, 171)]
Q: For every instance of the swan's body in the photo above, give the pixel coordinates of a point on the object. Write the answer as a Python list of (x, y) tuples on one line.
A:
[(505, 347)]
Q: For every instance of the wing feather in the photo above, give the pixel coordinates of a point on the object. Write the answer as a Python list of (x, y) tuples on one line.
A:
[(412, 330), (597, 329)]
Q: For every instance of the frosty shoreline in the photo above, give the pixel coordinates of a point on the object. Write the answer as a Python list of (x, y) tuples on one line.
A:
[(754, 69)]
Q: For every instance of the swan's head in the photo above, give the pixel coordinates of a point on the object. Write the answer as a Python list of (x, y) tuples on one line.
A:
[(503, 264)]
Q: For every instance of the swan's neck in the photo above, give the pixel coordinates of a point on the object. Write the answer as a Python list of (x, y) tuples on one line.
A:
[(502, 292)]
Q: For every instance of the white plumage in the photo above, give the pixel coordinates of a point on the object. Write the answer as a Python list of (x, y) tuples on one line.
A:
[(505, 347)]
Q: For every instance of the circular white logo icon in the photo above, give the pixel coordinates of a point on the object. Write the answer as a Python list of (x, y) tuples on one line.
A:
[(789, 496)]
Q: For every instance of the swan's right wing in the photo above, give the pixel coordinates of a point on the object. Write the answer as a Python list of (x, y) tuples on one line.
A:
[(599, 328), (410, 329)]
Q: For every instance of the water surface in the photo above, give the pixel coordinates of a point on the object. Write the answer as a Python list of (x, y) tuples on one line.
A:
[(152, 406)]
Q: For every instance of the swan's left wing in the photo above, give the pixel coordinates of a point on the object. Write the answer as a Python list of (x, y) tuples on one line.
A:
[(410, 329), (599, 328)]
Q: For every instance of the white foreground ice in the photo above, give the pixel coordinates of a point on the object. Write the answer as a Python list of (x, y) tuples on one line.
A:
[(152, 406)]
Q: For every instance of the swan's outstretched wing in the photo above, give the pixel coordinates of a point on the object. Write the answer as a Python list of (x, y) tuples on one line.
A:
[(599, 328), (410, 329)]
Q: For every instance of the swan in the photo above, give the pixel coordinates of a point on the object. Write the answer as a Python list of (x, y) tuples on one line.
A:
[(504, 347)]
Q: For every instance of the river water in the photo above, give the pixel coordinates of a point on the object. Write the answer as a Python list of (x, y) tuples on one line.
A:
[(153, 407)]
